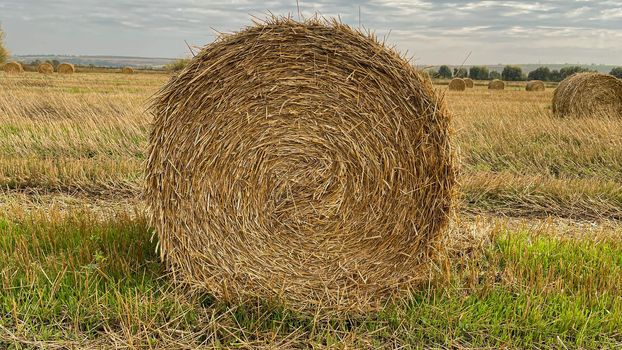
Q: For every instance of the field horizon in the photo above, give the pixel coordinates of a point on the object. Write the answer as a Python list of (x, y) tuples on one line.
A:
[(112, 61)]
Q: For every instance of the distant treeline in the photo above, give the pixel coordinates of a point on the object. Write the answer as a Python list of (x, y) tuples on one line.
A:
[(32, 66), (513, 73)]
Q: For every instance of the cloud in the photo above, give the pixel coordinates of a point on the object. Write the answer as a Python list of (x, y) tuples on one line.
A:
[(613, 13), (436, 31)]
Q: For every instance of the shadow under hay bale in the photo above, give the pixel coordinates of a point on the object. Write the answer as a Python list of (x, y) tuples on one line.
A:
[(496, 85), (271, 173), (588, 95), (45, 68), (457, 84), (13, 68), (66, 68), (535, 85), (468, 82)]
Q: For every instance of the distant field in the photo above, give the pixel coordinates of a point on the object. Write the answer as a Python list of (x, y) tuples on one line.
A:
[(534, 258), (86, 134)]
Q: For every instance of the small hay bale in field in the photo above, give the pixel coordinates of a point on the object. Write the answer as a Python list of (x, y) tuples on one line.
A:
[(588, 94), (127, 70), (45, 68), (286, 163), (13, 67), (469, 83), (66, 68), (457, 84), (535, 85), (496, 85)]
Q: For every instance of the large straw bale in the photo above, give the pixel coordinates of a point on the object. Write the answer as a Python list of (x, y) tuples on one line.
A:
[(13, 68), (588, 94), (535, 85), (287, 162), (457, 84), (66, 68), (45, 68), (496, 84), (469, 83)]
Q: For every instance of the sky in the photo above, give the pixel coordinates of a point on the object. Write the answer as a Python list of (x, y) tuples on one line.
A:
[(432, 32)]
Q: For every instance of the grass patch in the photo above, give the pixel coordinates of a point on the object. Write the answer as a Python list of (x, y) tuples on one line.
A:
[(90, 281)]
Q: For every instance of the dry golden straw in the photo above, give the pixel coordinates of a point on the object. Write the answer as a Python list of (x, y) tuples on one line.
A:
[(468, 82), (13, 67), (45, 68), (457, 84), (127, 70), (496, 85), (588, 94), (535, 85), (288, 163), (66, 68)]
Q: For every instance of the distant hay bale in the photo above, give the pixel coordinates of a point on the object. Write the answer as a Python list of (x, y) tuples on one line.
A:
[(45, 68), (286, 163), (535, 85), (66, 68), (496, 85), (127, 70), (13, 67), (588, 94), (468, 82), (457, 84)]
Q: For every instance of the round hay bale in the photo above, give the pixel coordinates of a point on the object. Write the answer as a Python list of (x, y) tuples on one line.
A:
[(66, 68), (45, 68), (286, 163), (127, 70), (588, 94), (496, 84), (457, 84), (469, 83), (535, 85), (13, 67)]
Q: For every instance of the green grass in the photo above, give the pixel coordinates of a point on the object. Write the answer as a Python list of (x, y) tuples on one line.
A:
[(88, 281)]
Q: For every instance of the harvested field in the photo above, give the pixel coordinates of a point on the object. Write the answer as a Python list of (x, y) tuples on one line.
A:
[(536, 232)]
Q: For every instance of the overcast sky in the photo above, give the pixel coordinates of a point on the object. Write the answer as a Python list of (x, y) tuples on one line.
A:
[(433, 32)]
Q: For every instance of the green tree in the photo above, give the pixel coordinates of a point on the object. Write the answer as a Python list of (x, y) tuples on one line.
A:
[(178, 64), (460, 73), (495, 75), (570, 70), (616, 72), (479, 73), (541, 73), (4, 53), (512, 73), (555, 75), (432, 74), (444, 72)]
